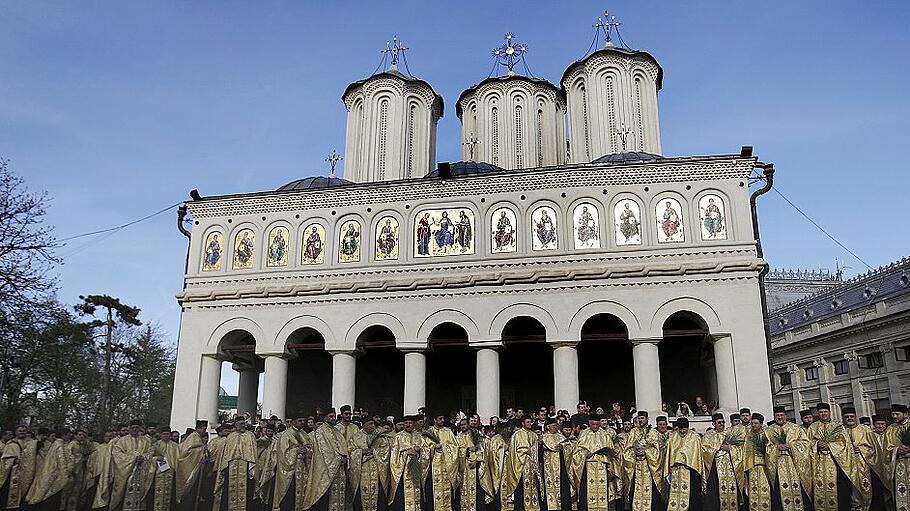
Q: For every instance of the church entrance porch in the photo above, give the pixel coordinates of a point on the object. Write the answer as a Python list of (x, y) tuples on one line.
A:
[(687, 369), (380, 372), (526, 365), (309, 379), (451, 370), (605, 365)]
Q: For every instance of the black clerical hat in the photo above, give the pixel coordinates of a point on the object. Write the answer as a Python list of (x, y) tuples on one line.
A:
[(345, 408), (779, 409), (734, 416), (661, 418), (823, 406), (595, 417), (806, 413), (550, 420), (848, 409), (879, 418), (642, 413), (758, 417), (682, 422), (745, 410), (717, 417), (202, 424), (899, 408)]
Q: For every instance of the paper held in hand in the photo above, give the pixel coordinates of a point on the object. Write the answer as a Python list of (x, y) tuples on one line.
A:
[(163, 465)]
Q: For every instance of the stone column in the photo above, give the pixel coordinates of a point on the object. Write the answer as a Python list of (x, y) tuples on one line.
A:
[(415, 381), (565, 375), (487, 383), (275, 387), (646, 360), (344, 374), (248, 389), (209, 385), (727, 397)]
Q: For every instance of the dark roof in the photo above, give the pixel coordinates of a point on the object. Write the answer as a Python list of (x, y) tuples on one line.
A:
[(467, 168), (507, 78), (621, 51), (394, 73), (314, 182), (628, 157)]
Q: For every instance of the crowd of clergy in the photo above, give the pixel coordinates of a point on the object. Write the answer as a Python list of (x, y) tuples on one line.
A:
[(545, 461)]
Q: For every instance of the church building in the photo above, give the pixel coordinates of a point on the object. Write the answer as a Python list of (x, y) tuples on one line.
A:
[(564, 258)]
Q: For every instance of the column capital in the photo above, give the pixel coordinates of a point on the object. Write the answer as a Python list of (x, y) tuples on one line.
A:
[(720, 336), (646, 340), (563, 344), (411, 346), (353, 353), (276, 354)]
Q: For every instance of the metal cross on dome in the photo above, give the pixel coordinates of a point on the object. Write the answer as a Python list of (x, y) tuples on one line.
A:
[(510, 53), (393, 49), (607, 25), (333, 160)]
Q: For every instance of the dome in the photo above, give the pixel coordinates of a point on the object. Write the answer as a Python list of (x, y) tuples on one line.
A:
[(628, 157), (467, 168), (315, 182)]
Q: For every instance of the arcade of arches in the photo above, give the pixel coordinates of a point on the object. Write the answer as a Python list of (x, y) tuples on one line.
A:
[(524, 368)]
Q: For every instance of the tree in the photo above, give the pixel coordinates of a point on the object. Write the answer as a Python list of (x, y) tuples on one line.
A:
[(126, 315), (26, 245)]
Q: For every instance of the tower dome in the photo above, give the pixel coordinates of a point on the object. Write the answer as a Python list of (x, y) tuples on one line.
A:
[(612, 103), (391, 125), (513, 121)]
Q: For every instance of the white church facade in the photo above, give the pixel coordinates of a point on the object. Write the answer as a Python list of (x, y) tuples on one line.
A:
[(523, 275)]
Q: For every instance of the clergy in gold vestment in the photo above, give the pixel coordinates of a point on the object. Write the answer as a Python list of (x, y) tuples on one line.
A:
[(897, 438), (327, 483), (289, 466), (566, 454), (55, 479), (372, 488), (348, 431), (406, 468), (758, 488), (521, 469), (98, 468), (82, 484), (18, 463), (190, 467), (881, 473), (132, 470), (868, 455), (234, 482), (495, 455), (789, 464), (684, 468), (470, 441), (642, 462), (834, 465), (166, 456), (208, 499), (594, 466), (443, 464), (263, 476), (722, 451), (551, 465)]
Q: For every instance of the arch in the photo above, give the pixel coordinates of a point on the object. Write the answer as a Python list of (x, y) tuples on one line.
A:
[(321, 242), (682, 233), (447, 316), (627, 235), (573, 217), (504, 242), (213, 261), (300, 322), (685, 304), (720, 231), (351, 239), (248, 231), (388, 250), (542, 239), (588, 311), (238, 324), (523, 309), (373, 319), (376, 336)]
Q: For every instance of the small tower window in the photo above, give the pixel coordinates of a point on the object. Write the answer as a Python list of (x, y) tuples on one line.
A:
[(641, 129), (540, 137), (519, 161), (584, 120), (494, 115), (611, 115), (383, 133), (412, 117)]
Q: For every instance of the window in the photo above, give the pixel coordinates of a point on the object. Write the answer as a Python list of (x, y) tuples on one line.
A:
[(784, 378), (902, 353), (872, 360), (841, 367), (811, 373)]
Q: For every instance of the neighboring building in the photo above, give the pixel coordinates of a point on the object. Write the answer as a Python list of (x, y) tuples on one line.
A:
[(847, 345), (523, 275), (783, 287)]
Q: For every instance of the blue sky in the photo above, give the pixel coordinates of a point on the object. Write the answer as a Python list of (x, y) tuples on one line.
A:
[(118, 109)]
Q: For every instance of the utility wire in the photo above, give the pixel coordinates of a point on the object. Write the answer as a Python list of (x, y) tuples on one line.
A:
[(822, 229), (123, 226)]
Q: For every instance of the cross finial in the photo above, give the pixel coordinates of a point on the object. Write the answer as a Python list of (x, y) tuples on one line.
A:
[(394, 49), (471, 143), (624, 132), (607, 25), (333, 160), (510, 53)]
